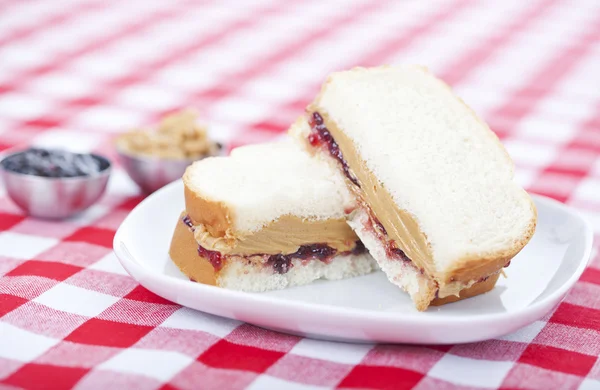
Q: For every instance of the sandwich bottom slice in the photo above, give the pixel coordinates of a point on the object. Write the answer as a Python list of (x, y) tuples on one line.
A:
[(257, 273)]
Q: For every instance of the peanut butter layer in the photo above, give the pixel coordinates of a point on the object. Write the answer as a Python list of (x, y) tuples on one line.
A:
[(283, 236), (401, 226), (184, 253)]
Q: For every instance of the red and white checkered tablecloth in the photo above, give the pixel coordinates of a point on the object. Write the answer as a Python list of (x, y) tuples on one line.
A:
[(75, 72)]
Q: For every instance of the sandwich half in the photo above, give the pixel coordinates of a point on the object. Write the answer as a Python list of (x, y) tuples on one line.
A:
[(437, 205), (266, 217)]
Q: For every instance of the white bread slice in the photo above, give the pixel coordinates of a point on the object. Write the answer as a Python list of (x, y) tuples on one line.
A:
[(258, 184), (421, 153)]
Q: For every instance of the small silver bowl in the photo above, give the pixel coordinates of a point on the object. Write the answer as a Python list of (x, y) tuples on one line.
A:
[(52, 197), (152, 173)]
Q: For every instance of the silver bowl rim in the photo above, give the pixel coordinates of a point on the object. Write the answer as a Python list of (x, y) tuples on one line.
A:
[(104, 172), (156, 159)]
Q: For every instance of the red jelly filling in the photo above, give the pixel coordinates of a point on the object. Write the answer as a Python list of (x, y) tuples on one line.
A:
[(359, 248), (320, 136), (215, 258), (391, 249), (323, 252), (283, 263)]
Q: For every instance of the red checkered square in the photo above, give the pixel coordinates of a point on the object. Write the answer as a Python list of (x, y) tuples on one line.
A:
[(130, 203), (225, 354), (301, 369), (188, 342), (76, 253), (46, 269), (525, 376), (419, 359), (44, 320), (9, 303), (497, 350), (7, 221), (577, 316), (103, 282), (28, 287), (108, 333), (139, 293), (380, 377), (41, 376), (212, 378), (253, 336), (558, 359), (93, 235), (77, 355), (139, 313), (591, 275)]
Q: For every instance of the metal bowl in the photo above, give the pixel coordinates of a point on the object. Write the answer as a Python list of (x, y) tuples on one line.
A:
[(55, 198), (152, 173)]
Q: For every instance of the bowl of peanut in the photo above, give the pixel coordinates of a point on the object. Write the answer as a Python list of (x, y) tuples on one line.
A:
[(156, 157)]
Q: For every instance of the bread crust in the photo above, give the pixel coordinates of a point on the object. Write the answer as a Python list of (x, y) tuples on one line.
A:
[(476, 289), (216, 216), (184, 253)]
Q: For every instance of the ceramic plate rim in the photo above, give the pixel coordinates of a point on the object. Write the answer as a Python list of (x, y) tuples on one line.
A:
[(414, 318)]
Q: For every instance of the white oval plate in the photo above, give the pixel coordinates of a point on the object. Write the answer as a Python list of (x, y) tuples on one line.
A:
[(367, 308)]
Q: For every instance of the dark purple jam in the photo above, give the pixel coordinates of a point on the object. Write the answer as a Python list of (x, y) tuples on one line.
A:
[(396, 253), (214, 257), (188, 222), (321, 136), (323, 252), (280, 263), (315, 252), (55, 163), (359, 248), (390, 246)]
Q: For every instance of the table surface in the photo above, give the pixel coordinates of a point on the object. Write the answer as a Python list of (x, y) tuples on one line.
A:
[(77, 72)]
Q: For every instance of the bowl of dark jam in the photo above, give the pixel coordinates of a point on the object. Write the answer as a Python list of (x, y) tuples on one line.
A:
[(54, 184)]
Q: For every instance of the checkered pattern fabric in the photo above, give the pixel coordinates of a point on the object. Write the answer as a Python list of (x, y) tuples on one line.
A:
[(76, 72)]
